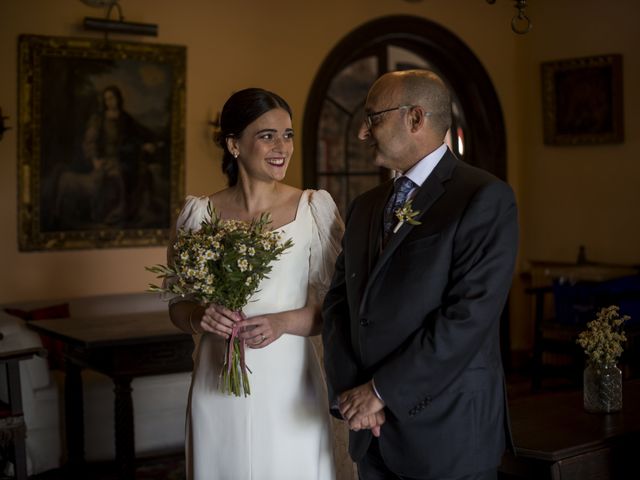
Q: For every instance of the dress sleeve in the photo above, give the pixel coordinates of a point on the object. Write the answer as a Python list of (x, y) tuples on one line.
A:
[(326, 240), (192, 213), (328, 229), (189, 218)]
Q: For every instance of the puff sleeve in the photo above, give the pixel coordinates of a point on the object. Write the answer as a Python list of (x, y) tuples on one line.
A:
[(328, 229)]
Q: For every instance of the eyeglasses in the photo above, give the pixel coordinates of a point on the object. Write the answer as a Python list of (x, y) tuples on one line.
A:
[(369, 117)]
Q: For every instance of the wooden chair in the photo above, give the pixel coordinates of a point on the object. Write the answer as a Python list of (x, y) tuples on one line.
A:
[(555, 353), (12, 426), (12, 440)]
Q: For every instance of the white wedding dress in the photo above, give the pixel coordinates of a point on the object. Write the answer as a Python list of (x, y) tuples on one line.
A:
[(282, 430)]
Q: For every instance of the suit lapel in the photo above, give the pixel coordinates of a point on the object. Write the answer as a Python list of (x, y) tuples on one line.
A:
[(428, 193)]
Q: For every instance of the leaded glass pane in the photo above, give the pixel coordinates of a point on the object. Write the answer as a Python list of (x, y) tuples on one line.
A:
[(331, 131), (349, 88)]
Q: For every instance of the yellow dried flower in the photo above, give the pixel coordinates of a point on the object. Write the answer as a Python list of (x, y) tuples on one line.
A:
[(406, 214), (602, 340)]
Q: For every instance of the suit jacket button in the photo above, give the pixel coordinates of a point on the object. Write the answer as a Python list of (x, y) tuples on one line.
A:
[(364, 322), (353, 275)]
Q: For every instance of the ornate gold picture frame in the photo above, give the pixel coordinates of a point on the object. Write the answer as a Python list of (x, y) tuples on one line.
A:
[(101, 142), (582, 101)]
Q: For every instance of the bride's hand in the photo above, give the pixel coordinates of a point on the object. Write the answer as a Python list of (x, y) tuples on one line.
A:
[(260, 331), (219, 320)]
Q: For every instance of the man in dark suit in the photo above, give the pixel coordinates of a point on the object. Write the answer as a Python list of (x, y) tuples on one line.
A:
[(411, 321)]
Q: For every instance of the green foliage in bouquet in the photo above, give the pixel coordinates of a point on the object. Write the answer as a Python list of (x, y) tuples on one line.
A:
[(223, 262)]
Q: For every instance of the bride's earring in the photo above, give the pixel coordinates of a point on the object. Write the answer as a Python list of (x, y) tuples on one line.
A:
[(236, 154)]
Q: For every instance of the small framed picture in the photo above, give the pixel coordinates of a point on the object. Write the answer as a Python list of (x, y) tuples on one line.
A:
[(582, 100)]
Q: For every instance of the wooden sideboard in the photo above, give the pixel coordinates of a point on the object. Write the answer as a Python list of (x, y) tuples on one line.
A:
[(556, 439)]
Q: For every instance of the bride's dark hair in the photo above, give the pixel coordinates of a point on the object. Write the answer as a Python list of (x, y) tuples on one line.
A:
[(242, 108)]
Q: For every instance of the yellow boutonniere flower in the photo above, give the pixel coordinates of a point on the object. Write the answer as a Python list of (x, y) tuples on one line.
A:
[(406, 214)]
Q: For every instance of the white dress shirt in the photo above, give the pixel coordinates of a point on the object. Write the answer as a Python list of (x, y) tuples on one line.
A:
[(421, 170)]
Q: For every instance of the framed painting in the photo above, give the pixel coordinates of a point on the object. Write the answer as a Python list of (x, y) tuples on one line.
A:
[(101, 142), (582, 101)]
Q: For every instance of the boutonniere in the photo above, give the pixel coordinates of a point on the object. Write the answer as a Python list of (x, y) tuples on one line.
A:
[(406, 214)]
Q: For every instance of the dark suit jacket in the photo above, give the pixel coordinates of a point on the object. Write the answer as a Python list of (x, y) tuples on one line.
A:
[(422, 318)]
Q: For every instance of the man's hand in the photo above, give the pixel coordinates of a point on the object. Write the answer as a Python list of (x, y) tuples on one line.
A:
[(362, 408), (373, 422)]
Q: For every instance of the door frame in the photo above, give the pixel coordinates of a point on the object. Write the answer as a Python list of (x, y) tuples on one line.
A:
[(485, 141)]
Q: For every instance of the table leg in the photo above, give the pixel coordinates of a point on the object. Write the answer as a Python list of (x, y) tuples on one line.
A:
[(125, 434), (15, 402), (74, 417), (20, 453)]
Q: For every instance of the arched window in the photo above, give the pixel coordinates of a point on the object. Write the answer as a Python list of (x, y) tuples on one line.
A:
[(334, 158)]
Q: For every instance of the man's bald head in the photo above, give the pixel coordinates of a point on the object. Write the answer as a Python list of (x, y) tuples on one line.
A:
[(419, 87)]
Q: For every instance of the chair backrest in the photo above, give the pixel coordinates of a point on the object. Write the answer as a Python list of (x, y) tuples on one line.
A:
[(577, 303)]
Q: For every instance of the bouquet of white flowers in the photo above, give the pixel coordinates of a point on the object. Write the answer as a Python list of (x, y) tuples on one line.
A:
[(223, 262)]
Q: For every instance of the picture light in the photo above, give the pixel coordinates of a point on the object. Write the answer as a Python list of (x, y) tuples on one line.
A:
[(107, 25), (120, 26)]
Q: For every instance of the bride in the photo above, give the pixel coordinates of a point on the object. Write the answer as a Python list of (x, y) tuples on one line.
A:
[(282, 430)]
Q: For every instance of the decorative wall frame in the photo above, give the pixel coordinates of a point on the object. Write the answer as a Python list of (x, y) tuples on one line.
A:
[(582, 100), (101, 142)]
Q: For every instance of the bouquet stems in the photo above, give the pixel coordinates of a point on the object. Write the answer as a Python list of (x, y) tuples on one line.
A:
[(234, 378)]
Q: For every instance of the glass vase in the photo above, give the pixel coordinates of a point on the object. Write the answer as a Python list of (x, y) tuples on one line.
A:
[(602, 388)]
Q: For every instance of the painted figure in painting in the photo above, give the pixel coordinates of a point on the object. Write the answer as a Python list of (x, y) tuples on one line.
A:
[(116, 189)]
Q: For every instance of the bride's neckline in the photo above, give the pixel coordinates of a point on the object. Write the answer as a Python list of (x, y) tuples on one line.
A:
[(295, 217)]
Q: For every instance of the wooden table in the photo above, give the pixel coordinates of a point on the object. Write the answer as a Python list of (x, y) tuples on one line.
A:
[(122, 347), (11, 357), (556, 439)]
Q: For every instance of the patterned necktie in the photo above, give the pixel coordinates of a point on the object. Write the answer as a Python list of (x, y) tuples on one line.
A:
[(401, 189)]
